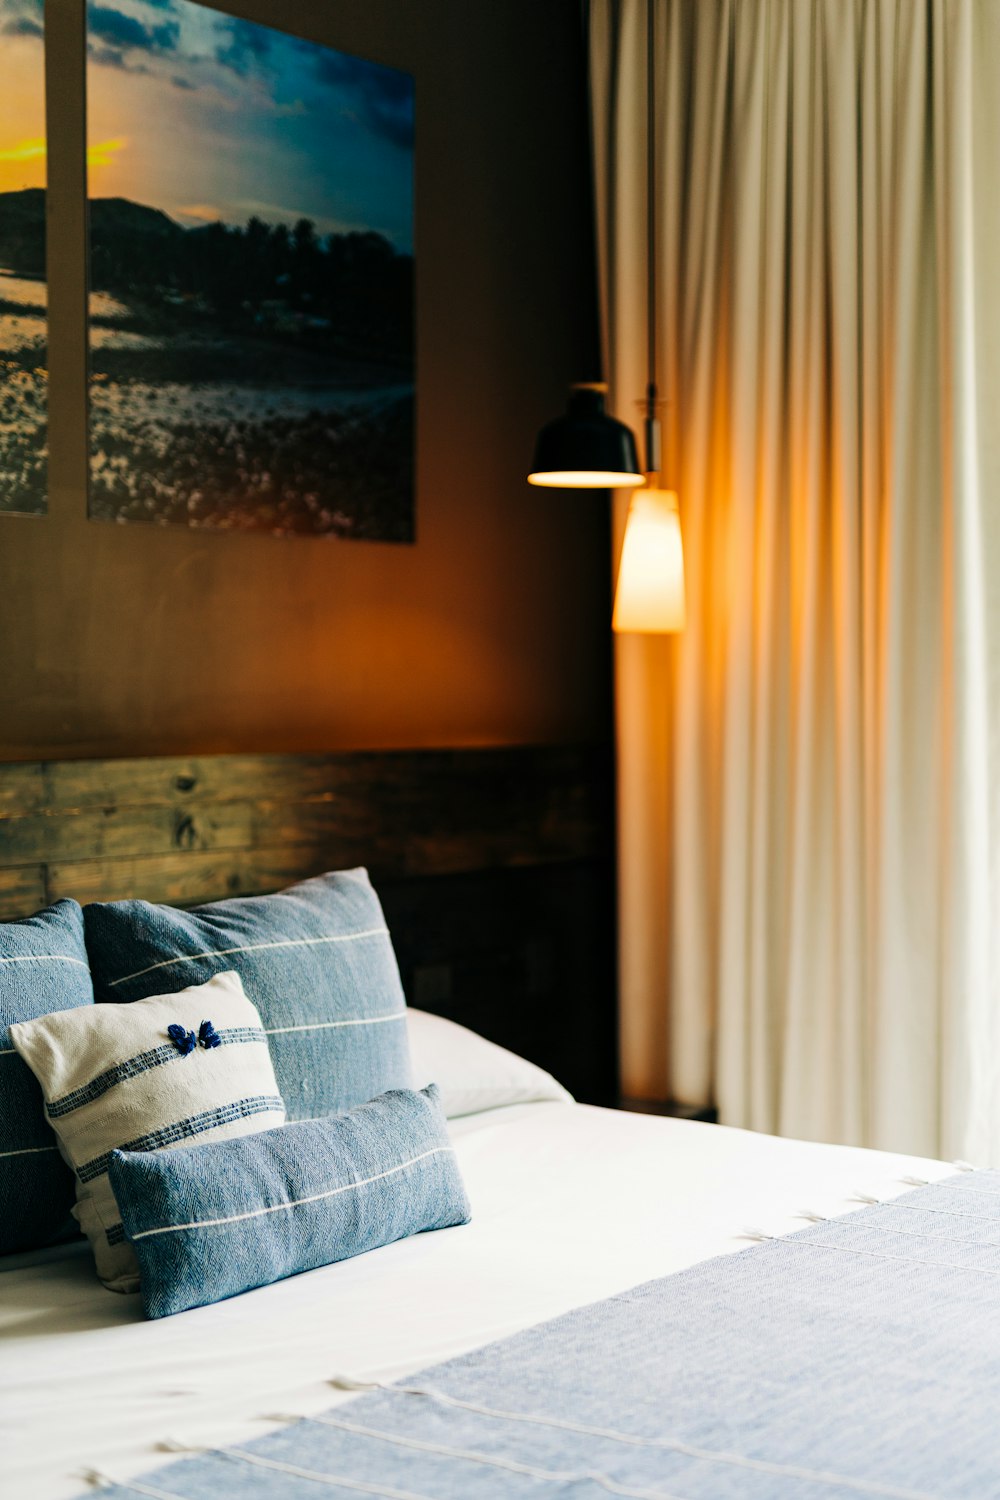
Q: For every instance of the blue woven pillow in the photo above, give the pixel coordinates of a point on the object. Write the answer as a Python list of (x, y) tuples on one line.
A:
[(316, 960), (209, 1221), (43, 967)]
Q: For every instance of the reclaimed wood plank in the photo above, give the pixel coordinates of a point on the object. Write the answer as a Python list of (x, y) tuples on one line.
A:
[(184, 879), (124, 830), (173, 781), (211, 875), (525, 957), (431, 837), (22, 891), (22, 787)]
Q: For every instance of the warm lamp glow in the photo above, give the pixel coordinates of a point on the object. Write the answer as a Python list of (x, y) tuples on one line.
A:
[(650, 592), (585, 479)]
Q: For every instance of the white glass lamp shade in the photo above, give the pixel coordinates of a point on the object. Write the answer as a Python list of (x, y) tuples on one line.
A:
[(650, 592)]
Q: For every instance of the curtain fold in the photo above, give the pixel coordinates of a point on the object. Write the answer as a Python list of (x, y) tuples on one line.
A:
[(809, 778)]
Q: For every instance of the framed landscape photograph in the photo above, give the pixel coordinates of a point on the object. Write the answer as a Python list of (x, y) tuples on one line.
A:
[(23, 290), (251, 278)]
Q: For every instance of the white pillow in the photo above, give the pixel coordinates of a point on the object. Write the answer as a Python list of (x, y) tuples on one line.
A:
[(472, 1073), (116, 1076)]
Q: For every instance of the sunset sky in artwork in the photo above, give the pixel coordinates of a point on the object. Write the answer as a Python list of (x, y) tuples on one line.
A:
[(209, 117), (22, 97)]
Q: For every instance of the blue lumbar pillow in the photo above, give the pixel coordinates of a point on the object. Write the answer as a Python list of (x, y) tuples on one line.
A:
[(209, 1221), (316, 960), (43, 968)]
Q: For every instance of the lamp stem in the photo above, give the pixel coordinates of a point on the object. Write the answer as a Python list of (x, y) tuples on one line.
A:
[(652, 433), (650, 215), (652, 422)]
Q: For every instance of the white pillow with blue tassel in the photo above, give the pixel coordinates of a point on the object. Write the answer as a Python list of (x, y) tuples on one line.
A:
[(158, 1073)]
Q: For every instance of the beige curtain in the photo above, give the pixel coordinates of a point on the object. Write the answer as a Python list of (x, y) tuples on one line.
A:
[(809, 778)]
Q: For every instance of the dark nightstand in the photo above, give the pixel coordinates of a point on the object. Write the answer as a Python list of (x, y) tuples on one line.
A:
[(671, 1107)]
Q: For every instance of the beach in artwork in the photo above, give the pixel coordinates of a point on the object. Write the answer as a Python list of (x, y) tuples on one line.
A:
[(251, 269)]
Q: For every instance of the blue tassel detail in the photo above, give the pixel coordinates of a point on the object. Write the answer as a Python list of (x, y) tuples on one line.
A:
[(208, 1036), (184, 1041)]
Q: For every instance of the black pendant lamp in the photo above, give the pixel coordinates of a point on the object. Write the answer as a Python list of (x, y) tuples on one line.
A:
[(586, 449)]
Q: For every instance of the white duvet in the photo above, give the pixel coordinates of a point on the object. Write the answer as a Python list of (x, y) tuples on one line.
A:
[(570, 1204)]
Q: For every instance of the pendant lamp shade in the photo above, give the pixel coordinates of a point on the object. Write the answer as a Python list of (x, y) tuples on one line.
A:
[(650, 592), (586, 449)]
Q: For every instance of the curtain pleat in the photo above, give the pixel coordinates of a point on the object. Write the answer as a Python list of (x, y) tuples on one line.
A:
[(809, 839)]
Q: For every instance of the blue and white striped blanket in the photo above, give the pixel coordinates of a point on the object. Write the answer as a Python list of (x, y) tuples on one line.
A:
[(859, 1357)]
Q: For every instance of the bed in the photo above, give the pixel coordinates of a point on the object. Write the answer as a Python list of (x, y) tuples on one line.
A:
[(582, 1216), (86, 1384)]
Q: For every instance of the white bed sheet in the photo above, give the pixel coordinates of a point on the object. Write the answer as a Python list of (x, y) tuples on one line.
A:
[(570, 1204)]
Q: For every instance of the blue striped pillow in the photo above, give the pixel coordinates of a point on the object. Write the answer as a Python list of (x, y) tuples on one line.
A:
[(210, 1221), (316, 960), (43, 967)]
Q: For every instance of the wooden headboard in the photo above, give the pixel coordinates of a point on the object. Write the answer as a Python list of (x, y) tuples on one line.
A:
[(494, 866)]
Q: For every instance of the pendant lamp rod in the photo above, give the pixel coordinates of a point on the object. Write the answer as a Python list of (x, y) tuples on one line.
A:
[(652, 423), (649, 597), (586, 448)]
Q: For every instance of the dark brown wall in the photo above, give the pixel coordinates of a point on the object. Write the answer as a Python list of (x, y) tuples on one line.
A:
[(493, 627)]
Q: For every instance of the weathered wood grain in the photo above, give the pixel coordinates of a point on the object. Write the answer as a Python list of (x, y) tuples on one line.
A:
[(188, 830), (182, 781), (22, 891), (122, 829), (184, 879), (57, 786), (22, 787)]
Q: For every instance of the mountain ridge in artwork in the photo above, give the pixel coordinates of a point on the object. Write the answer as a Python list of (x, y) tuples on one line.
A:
[(22, 225), (123, 214), (22, 231)]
